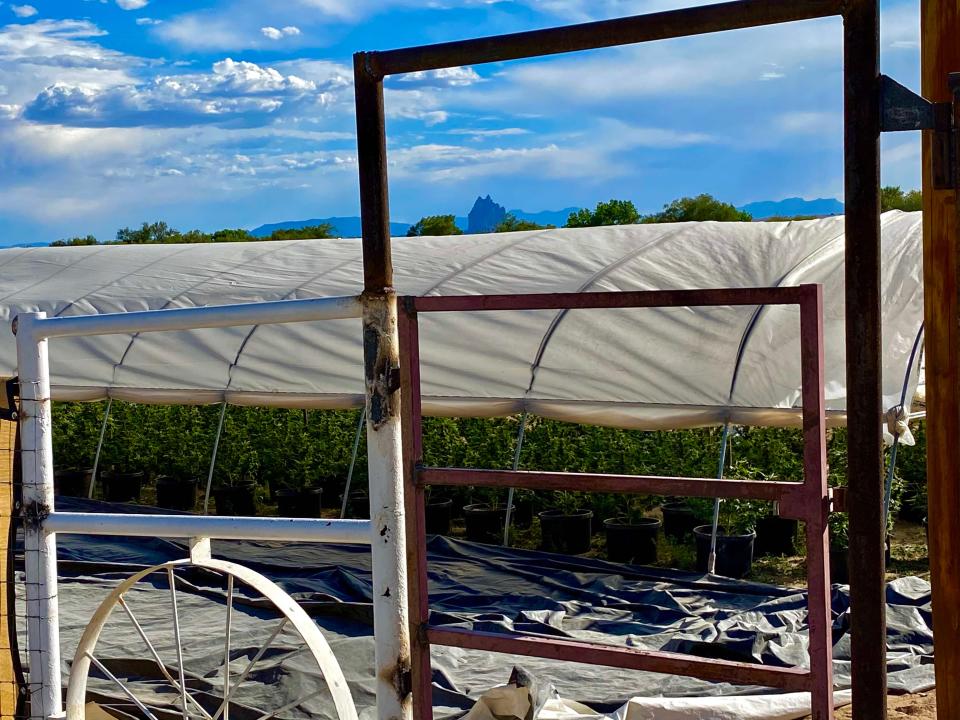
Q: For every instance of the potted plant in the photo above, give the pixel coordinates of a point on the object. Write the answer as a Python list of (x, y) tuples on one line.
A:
[(566, 528), (631, 536), (177, 486), (437, 513), (235, 493), (736, 533), (679, 518), (72, 481), (776, 535), (485, 520), (297, 497), (522, 515)]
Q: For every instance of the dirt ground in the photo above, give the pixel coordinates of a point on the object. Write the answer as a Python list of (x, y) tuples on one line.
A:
[(921, 706)]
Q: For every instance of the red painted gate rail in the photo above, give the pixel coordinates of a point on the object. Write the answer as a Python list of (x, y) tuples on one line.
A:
[(808, 501)]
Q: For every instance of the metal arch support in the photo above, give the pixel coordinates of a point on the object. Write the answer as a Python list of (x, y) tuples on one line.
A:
[(516, 464), (96, 457), (295, 615), (353, 462)]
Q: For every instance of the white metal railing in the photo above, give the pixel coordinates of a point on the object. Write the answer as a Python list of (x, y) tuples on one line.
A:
[(42, 522)]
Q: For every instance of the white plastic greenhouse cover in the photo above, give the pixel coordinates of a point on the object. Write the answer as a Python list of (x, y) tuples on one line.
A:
[(642, 368)]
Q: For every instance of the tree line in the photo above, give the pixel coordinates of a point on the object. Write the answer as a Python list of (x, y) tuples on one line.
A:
[(698, 208)]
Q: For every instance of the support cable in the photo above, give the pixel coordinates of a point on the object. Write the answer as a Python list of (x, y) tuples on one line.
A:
[(516, 464)]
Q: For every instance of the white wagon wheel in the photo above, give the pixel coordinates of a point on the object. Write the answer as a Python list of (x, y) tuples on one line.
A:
[(291, 615)]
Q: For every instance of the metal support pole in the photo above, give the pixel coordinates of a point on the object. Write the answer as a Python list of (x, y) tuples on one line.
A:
[(213, 456), (712, 558), (353, 462), (939, 56), (96, 457), (861, 49), (516, 464), (40, 548), (381, 373)]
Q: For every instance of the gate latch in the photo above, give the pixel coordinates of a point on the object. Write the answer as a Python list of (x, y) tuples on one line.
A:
[(902, 109)]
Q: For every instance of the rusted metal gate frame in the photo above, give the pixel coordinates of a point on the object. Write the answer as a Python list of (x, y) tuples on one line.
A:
[(808, 501), (861, 55)]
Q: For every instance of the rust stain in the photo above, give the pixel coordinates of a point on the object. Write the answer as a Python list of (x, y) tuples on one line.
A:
[(381, 361), (399, 676)]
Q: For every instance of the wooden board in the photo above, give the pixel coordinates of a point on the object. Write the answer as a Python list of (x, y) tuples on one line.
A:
[(8, 682), (940, 54)]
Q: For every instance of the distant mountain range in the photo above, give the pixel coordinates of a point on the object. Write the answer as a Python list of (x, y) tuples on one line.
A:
[(789, 207), (486, 214)]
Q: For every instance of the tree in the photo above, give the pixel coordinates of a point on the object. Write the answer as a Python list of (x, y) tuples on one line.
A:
[(311, 232), (435, 225), (892, 197), (699, 208), (69, 242), (148, 233), (511, 223), (614, 212)]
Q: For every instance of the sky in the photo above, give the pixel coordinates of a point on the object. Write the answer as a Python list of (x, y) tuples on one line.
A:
[(233, 113)]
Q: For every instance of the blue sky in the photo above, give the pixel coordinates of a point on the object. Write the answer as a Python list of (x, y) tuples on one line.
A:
[(233, 113)]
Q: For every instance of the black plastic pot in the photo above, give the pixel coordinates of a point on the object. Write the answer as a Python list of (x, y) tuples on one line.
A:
[(177, 493), (299, 503), (775, 536), (678, 520), (522, 515), (632, 542), (72, 483), (484, 523), (332, 491), (358, 507), (840, 563), (734, 552), (565, 532), (236, 499), (121, 486), (437, 516)]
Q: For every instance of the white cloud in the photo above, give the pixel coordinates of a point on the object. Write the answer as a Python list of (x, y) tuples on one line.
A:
[(443, 77), (235, 92), (24, 11), (273, 33), (133, 4), (147, 21)]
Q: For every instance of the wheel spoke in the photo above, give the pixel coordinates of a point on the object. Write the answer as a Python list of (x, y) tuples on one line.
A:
[(126, 690), (226, 650), (176, 635), (291, 705), (156, 657), (249, 667)]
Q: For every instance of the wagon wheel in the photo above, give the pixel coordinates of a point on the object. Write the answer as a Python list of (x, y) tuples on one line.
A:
[(180, 701)]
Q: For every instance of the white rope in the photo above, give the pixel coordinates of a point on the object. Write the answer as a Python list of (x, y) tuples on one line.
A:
[(213, 456)]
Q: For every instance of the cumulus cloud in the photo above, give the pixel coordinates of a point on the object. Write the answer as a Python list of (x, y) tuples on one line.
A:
[(234, 93), (24, 11), (148, 21), (133, 4), (444, 77), (279, 33)]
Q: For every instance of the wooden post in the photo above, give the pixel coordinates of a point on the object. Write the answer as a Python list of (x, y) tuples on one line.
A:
[(940, 54), (8, 664)]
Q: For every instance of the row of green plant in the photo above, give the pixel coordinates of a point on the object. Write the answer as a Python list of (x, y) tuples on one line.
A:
[(295, 448)]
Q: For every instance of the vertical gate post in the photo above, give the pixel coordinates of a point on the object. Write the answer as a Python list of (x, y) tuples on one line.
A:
[(40, 548), (861, 49), (381, 373), (939, 55)]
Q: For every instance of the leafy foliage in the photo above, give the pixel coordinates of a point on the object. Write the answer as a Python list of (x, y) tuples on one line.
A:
[(161, 233), (613, 212), (699, 208), (435, 225), (892, 197), (511, 223), (70, 242)]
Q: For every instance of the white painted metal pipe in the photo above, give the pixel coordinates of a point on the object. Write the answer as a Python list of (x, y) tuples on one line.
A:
[(388, 547), (354, 532), (40, 548), (280, 311)]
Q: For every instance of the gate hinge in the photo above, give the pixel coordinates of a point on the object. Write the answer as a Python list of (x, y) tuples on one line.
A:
[(902, 109), (10, 412)]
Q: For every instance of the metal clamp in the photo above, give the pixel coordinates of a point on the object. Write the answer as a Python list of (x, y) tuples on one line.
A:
[(11, 412), (902, 109)]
